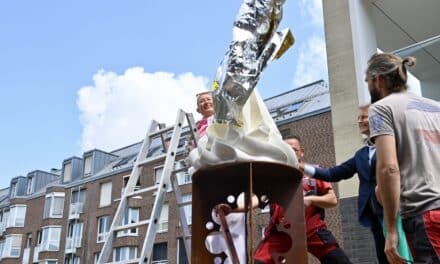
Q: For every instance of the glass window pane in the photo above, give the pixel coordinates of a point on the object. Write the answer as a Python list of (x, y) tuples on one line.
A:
[(47, 205), (88, 165), (58, 206), (181, 258), (105, 198), (160, 252), (67, 174)]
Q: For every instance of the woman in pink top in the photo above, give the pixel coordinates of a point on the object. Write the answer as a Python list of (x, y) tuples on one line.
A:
[(205, 106)]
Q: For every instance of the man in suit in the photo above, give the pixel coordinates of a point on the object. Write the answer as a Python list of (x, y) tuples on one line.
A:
[(363, 163)]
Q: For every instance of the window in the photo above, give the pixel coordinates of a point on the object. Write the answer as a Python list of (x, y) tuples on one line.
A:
[(123, 161), (12, 246), (54, 205), (78, 196), (163, 220), (160, 254), (13, 190), (187, 208), (137, 187), (39, 237), (4, 222), (88, 166), (67, 173), (96, 258), (50, 238), (16, 216), (124, 253), (131, 216), (106, 194), (77, 200), (30, 185), (157, 174), (294, 107), (74, 235), (181, 253), (28, 240), (71, 259), (103, 228), (183, 177)]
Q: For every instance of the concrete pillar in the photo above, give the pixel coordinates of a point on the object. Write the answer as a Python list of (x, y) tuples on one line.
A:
[(343, 85)]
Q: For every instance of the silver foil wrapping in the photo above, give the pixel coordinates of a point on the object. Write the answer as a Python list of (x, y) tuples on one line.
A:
[(255, 42)]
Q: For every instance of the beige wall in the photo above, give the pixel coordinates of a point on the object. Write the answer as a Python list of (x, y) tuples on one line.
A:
[(342, 83)]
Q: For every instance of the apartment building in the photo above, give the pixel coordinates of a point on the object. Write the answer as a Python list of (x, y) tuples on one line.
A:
[(63, 216)]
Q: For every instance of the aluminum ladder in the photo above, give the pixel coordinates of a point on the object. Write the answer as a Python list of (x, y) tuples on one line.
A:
[(167, 177)]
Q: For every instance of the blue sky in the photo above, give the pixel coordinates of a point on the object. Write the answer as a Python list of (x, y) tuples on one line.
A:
[(81, 74)]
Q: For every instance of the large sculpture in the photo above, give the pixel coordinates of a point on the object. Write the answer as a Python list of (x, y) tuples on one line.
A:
[(242, 133), (243, 129)]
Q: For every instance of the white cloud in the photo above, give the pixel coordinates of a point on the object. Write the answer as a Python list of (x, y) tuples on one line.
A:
[(313, 10), (312, 62), (117, 109)]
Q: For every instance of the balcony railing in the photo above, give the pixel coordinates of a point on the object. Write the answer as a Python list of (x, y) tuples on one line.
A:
[(102, 237), (72, 243), (75, 210), (162, 227)]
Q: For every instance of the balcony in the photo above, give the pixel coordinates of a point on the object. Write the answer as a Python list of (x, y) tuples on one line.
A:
[(2, 228), (75, 210), (102, 237), (72, 243)]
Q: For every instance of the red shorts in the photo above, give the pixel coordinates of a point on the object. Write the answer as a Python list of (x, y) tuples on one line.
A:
[(423, 235)]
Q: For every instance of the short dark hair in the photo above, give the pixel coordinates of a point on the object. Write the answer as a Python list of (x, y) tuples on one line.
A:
[(294, 137)]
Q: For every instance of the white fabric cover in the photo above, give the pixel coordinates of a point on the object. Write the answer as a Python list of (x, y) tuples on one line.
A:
[(258, 139)]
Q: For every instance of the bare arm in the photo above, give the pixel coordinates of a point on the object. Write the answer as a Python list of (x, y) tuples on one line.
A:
[(388, 181), (327, 200), (388, 178)]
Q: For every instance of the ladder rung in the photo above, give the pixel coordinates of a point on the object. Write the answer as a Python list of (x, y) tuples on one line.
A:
[(184, 203), (161, 131), (132, 225), (141, 191), (152, 159), (180, 170)]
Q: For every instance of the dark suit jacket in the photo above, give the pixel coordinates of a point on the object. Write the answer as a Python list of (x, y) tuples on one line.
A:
[(367, 181)]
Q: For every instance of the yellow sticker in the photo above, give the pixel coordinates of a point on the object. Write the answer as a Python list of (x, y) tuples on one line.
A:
[(214, 85)]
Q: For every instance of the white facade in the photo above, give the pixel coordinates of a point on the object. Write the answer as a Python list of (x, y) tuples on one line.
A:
[(355, 30)]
